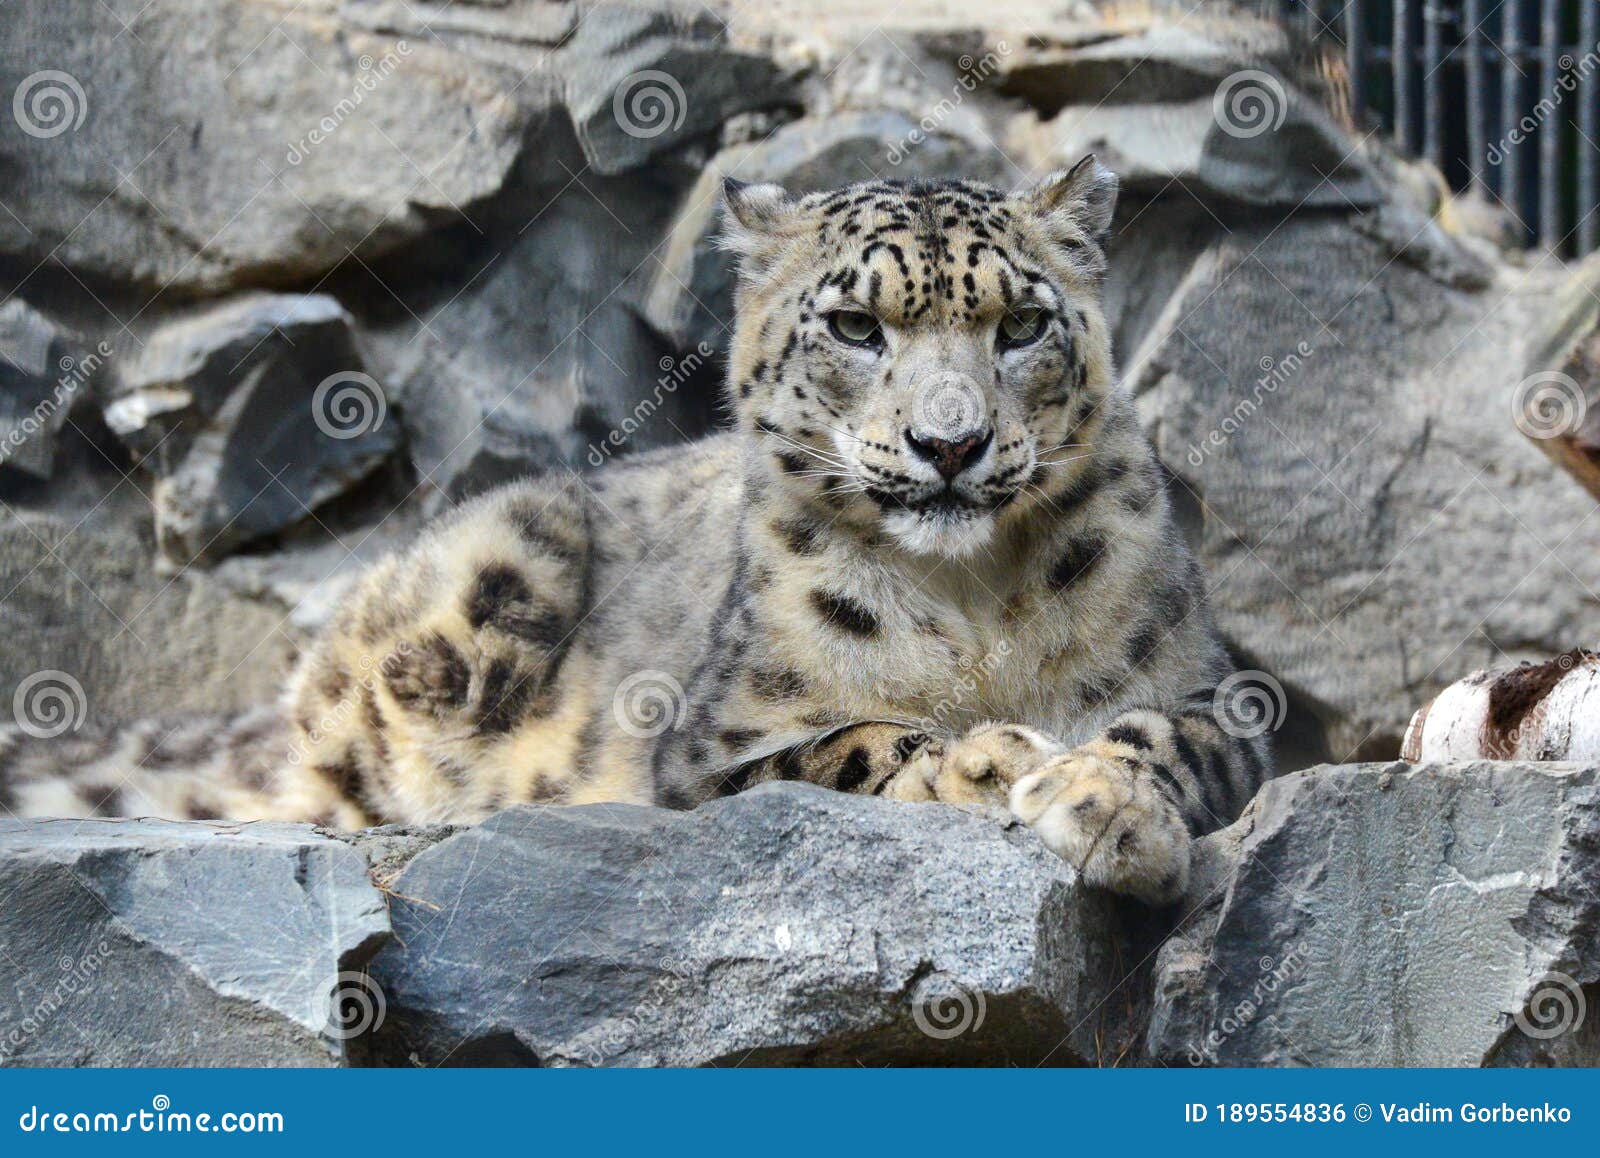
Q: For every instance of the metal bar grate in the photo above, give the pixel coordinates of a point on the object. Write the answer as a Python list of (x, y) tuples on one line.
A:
[(1503, 96), (1588, 142), (1510, 102), (1433, 78), (1477, 83), (1401, 60), (1550, 231)]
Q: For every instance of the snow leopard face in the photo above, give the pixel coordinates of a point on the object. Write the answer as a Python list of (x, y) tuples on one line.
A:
[(927, 357)]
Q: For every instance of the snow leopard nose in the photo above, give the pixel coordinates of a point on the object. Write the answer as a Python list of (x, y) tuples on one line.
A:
[(950, 458)]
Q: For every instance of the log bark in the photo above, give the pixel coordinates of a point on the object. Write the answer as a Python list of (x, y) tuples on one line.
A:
[(1548, 711)]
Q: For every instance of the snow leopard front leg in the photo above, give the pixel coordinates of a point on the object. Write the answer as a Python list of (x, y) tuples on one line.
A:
[(865, 758), (1122, 807)]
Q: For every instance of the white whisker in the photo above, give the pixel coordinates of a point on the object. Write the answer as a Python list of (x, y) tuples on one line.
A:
[(1064, 461), (836, 430), (824, 457)]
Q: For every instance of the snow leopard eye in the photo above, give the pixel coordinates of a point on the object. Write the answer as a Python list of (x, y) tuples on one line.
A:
[(855, 328), (1021, 328)]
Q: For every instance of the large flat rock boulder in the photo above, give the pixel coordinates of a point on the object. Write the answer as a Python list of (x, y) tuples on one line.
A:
[(1337, 414), (85, 606), (43, 375), (147, 943), (786, 925), (1394, 915), (250, 414), (1377, 914), (290, 135), (298, 134), (541, 354)]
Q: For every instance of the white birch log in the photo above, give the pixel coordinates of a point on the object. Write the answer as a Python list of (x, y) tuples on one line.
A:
[(1548, 711)]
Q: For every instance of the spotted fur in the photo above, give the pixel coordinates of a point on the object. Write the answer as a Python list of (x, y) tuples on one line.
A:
[(933, 559)]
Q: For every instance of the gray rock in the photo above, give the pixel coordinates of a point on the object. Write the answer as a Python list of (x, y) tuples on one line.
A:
[(541, 354), (1338, 424), (1156, 63), (1218, 105), (82, 598), (691, 291), (146, 943), (303, 582), (1415, 237), (43, 375), (641, 80), (1381, 914), (251, 414), (1305, 162), (286, 139), (789, 924), (1391, 915), (1560, 394)]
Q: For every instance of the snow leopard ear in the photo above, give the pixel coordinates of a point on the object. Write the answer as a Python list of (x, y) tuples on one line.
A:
[(759, 222), (1076, 204)]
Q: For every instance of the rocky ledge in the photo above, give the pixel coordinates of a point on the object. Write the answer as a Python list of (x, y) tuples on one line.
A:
[(1363, 914)]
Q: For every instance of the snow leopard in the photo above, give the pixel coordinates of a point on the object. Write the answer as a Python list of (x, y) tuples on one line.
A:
[(932, 558)]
